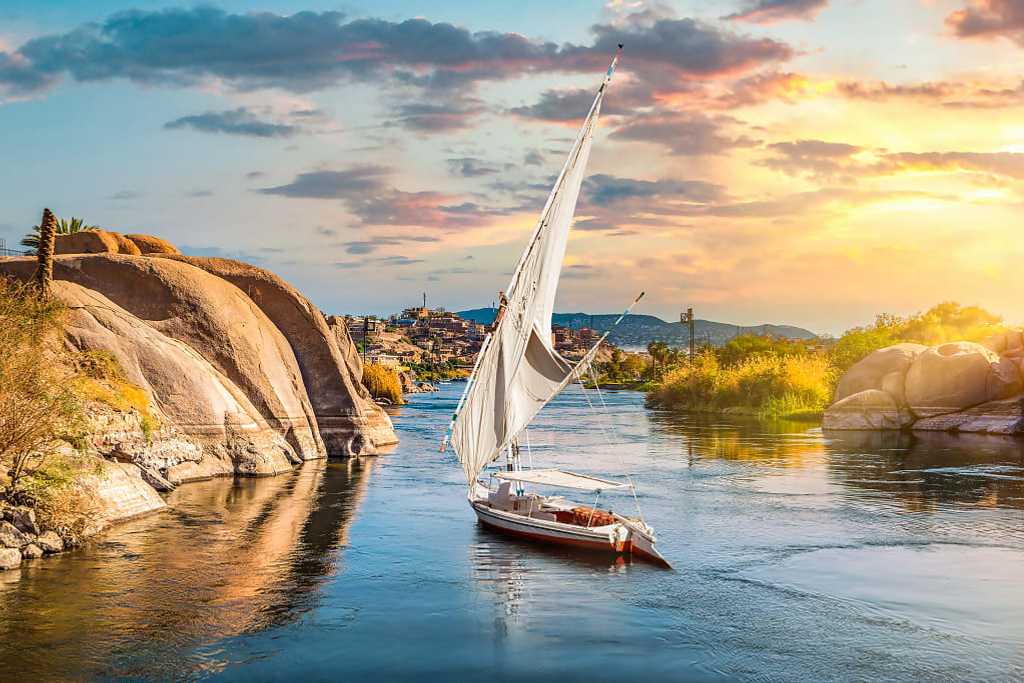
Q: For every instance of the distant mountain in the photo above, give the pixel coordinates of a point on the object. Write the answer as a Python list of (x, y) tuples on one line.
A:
[(636, 331)]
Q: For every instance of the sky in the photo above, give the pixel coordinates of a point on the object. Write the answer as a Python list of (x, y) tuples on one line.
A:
[(808, 162)]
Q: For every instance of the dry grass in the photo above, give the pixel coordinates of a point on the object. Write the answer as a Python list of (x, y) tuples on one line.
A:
[(768, 385), (383, 382), (100, 379)]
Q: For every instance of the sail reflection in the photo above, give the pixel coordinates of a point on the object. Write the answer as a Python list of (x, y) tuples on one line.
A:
[(229, 557)]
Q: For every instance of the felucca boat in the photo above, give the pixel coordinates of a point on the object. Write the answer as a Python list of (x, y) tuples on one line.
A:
[(517, 372)]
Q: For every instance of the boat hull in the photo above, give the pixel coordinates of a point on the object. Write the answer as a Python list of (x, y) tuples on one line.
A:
[(624, 542)]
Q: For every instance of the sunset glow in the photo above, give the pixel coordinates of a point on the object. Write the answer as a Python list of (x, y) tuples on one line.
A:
[(811, 163)]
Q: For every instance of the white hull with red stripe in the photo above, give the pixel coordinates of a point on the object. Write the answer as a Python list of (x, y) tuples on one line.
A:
[(534, 518)]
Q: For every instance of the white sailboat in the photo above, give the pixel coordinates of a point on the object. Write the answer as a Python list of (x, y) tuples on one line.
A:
[(517, 373)]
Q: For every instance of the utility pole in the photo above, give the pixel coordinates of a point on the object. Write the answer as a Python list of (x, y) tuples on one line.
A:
[(688, 318), (424, 300), (366, 329)]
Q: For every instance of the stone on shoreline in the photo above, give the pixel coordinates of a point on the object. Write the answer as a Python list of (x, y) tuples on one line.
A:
[(31, 552), (871, 371), (956, 387), (10, 558), (871, 409), (25, 520), (50, 542), (12, 537), (994, 417), (958, 375)]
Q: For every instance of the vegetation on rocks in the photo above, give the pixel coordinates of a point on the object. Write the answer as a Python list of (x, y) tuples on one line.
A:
[(785, 378), (45, 395), (383, 383)]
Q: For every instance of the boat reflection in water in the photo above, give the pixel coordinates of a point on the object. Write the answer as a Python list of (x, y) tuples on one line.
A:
[(227, 558)]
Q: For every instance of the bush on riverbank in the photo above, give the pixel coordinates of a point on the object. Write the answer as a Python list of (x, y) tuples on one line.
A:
[(47, 394), (767, 385), (773, 377), (383, 383)]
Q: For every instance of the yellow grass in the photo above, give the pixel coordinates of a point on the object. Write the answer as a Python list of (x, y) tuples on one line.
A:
[(383, 382)]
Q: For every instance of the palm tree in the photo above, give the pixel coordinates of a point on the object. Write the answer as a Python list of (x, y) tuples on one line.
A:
[(44, 252), (63, 227)]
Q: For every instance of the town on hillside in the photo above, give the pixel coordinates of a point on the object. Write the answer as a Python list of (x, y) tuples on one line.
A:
[(434, 337)]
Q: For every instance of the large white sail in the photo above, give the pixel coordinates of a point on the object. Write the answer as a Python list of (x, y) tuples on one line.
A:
[(518, 370)]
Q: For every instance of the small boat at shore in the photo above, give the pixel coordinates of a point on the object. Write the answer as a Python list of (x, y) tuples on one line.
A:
[(517, 372)]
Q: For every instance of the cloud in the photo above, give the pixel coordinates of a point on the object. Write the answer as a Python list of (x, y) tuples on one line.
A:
[(771, 11), (952, 94), (818, 158), (125, 195), (840, 161), (367, 194), (350, 183), (684, 133), (470, 167), (580, 271), (533, 158), (197, 194), (987, 19), (239, 121), (438, 118), (386, 261), (563, 106), (604, 190), (253, 175), (1006, 164), (373, 243), (309, 51)]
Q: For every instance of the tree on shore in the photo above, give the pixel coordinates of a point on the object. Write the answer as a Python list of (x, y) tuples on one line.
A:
[(44, 252)]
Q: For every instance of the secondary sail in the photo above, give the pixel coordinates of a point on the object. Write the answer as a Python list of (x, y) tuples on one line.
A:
[(518, 370)]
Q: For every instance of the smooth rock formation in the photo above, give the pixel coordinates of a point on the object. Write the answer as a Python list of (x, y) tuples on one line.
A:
[(870, 372), (148, 244), (348, 426), (243, 374), (10, 558), (217, 420), (96, 242), (958, 375), (994, 417), (958, 386), (870, 409), (124, 245), (217, 320)]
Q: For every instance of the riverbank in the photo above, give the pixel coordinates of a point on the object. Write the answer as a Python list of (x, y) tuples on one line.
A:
[(844, 558), (138, 369)]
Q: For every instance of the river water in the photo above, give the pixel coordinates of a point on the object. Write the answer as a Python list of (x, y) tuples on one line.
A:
[(798, 556)]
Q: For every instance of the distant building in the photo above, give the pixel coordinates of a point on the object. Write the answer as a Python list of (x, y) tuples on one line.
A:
[(370, 326)]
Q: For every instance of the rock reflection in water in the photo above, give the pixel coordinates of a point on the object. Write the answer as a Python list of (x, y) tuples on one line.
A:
[(920, 470), (926, 470), (229, 557)]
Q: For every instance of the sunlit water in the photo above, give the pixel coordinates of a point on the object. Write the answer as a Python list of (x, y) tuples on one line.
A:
[(797, 557)]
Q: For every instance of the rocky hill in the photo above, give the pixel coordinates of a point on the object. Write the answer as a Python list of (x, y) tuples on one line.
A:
[(636, 331), (242, 373)]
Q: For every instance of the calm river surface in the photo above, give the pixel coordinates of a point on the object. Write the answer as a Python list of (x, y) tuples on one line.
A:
[(797, 557)]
